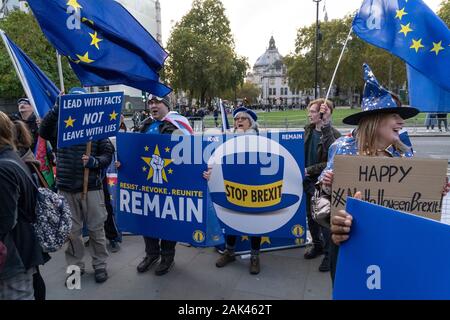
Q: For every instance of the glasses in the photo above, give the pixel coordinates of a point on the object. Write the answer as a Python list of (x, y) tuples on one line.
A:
[(154, 99), (241, 119)]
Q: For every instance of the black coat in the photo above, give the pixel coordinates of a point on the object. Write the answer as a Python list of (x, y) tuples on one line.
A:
[(69, 166), (165, 127), (18, 202), (329, 135)]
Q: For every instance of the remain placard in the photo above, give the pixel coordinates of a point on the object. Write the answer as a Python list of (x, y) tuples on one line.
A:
[(409, 185)]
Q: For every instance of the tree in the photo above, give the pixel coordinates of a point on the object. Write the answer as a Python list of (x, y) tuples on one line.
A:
[(202, 58), (444, 11), (300, 65), (23, 29), (248, 91)]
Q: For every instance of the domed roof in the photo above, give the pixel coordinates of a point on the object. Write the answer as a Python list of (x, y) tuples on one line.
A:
[(271, 56)]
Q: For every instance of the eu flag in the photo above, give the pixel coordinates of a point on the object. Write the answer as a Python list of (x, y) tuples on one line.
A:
[(425, 94), (39, 89), (411, 31), (104, 43)]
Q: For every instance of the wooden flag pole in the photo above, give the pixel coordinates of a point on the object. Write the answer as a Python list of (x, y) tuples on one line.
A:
[(86, 171)]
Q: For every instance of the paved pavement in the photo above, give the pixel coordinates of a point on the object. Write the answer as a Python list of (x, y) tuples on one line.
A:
[(284, 275)]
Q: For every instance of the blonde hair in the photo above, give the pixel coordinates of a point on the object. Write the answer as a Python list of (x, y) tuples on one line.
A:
[(23, 138), (366, 135), (320, 102), (6, 131)]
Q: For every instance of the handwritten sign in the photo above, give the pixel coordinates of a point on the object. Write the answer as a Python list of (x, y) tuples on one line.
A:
[(88, 117), (409, 185)]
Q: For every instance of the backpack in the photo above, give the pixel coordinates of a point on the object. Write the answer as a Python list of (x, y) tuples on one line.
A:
[(53, 220), (53, 217)]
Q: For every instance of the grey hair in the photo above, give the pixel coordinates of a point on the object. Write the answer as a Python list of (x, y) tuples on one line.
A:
[(253, 124)]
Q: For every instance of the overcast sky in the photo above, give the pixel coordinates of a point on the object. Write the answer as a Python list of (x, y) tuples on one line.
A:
[(254, 21)]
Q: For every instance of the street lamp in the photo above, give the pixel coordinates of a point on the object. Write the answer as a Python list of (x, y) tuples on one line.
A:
[(316, 81)]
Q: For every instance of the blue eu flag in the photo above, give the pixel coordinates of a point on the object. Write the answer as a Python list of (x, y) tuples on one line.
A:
[(104, 43), (41, 91), (411, 31), (425, 94)]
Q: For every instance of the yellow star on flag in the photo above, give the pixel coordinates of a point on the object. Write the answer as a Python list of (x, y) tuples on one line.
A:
[(144, 169), (95, 40), (401, 13), (69, 122), (146, 148), (85, 58), (167, 149), (148, 160), (86, 19), (244, 238), (170, 171), (74, 4), (264, 240), (113, 116), (437, 47), (417, 44), (405, 29)]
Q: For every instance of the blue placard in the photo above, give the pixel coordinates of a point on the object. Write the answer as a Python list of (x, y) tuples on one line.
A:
[(162, 192), (256, 184), (88, 117), (160, 197), (392, 255)]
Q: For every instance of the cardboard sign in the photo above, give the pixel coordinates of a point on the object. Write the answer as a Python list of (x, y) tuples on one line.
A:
[(409, 185), (88, 117), (406, 260)]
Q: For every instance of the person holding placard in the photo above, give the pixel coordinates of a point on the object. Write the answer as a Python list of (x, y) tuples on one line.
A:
[(161, 121), (71, 164), (377, 135), (245, 122)]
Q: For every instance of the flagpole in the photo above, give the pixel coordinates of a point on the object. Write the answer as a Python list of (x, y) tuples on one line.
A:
[(60, 71), (338, 63), (20, 74)]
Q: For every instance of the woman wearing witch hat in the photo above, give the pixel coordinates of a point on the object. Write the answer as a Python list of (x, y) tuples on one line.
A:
[(377, 135)]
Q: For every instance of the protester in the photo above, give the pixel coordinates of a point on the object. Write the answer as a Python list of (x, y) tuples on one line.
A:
[(319, 136), (430, 121), (161, 121), (23, 141), (18, 199), (71, 162), (245, 121), (27, 115), (377, 135), (136, 120), (442, 118), (216, 117)]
